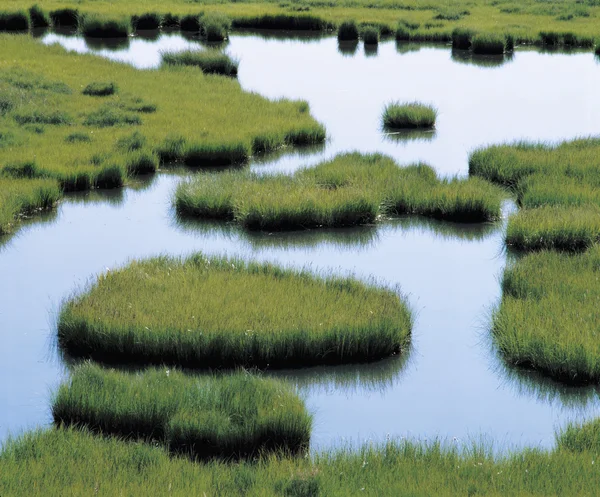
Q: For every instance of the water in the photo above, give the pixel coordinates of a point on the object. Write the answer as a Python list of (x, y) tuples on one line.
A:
[(451, 384)]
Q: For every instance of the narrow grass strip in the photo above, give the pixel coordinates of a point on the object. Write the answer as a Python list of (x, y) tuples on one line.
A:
[(210, 61), (231, 416), (237, 316)]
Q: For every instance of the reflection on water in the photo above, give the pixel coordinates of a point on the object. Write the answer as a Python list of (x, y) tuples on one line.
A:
[(452, 384), (480, 60), (347, 48), (405, 135)]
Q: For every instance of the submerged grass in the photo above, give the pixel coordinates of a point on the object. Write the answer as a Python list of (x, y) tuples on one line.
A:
[(351, 189), (230, 416), (409, 115), (210, 61), (142, 314), (82, 464), (549, 315)]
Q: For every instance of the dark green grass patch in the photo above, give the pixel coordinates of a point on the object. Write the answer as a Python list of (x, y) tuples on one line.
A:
[(190, 23), (38, 17), (210, 61), (229, 416), (348, 31), (171, 21), (487, 43), (215, 26), (65, 18), (107, 116), (370, 35), (14, 21), (412, 115), (141, 162), (100, 89), (580, 437), (352, 189), (101, 27), (78, 138), (43, 117), (548, 318), (461, 38), (301, 22), (148, 21), (143, 313)]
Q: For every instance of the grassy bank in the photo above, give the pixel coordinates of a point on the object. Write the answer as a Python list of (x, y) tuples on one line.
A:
[(351, 189), (89, 139), (236, 415), (83, 464), (548, 317), (244, 314)]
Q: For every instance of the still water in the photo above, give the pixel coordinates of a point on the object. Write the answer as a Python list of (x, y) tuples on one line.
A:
[(451, 384)]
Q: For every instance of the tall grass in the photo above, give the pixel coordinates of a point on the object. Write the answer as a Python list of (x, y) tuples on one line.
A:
[(235, 415), (215, 26), (101, 27), (147, 21), (210, 61), (82, 464), (14, 21), (352, 189), (348, 31), (39, 18), (409, 115), (548, 318), (300, 22), (486, 43), (143, 314), (461, 38), (370, 35), (65, 18)]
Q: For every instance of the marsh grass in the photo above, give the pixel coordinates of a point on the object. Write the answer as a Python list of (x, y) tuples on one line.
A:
[(56, 118), (39, 18), (300, 22), (486, 43), (143, 314), (100, 89), (191, 23), (461, 38), (228, 416), (549, 313), (215, 26), (107, 116), (352, 189), (14, 21), (580, 437), (65, 18), (149, 21), (210, 61), (348, 31), (408, 115), (103, 27), (370, 35), (81, 462)]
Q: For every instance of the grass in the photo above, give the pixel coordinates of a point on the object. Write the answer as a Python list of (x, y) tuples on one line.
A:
[(100, 89), (485, 43), (14, 21), (215, 26), (348, 31), (351, 189), (148, 21), (231, 416), (461, 38), (141, 314), (210, 61), (412, 115), (548, 318), (556, 188), (104, 27), (39, 17), (82, 464), (65, 18), (370, 35)]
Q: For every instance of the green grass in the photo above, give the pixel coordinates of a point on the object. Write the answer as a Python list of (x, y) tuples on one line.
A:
[(104, 27), (143, 314), (39, 18), (14, 21), (370, 35), (210, 61), (351, 189), (412, 115), (548, 317), (100, 89), (82, 464), (65, 17), (230, 416), (491, 44), (147, 21), (20, 196), (348, 31), (215, 26), (580, 437), (461, 38)]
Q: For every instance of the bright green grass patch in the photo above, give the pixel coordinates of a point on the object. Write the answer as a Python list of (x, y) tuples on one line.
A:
[(82, 464), (24, 196), (235, 415), (143, 313), (549, 315), (42, 87), (410, 115), (580, 437), (370, 35), (352, 189), (210, 61)]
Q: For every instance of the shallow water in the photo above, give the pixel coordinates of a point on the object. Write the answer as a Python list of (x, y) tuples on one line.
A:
[(451, 384)]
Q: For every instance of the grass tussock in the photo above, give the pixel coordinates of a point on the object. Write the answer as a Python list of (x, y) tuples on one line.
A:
[(461, 38), (81, 462), (352, 189), (370, 35), (100, 89), (210, 61), (215, 26), (65, 18), (489, 44), (548, 318), (142, 314), (103, 27), (149, 21), (411, 115), (299, 22), (39, 18), (14, 21), (231, 416), (348, 31)]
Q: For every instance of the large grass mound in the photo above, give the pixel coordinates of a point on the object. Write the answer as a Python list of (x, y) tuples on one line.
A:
[(76, 463), (217, 312), (351, 189), (550, 313), (237, 415)]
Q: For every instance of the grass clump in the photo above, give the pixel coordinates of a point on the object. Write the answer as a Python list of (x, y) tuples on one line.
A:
[(348, 31), (191, 23), (149, 21), (487, 43), (100, 89), (461, 38), (43, 117), (235, 415), (14, 21), (210, 61), (107, 116), (38, 17), (102, 27), (412, 115), (548, 317), (370, 35), (300, 22), (351, 189), (580, 437), (142, 313), (215, 26), (65, 18)]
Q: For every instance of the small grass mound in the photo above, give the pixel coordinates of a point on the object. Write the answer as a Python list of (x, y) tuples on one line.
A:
[(143, 314), (78, 138), (100, 89), (548, 318), (236, 415), (65, 18), (461, 38), (43, 117), (348, 31), (370, 35), (39, 18), (411, 115), (101, 27), (107, 116), (14, 21), (149, 21), (490, 44), (210, 61), (215, 26), (191, 23)]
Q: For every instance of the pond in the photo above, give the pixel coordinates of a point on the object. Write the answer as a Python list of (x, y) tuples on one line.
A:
[(451, 384)]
